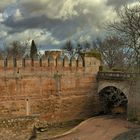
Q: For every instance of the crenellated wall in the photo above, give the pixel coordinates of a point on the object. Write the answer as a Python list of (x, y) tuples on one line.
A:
[(50, 61), (56, 89)]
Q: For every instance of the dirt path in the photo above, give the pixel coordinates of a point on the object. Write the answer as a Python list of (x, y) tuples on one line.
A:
[(99, 128)]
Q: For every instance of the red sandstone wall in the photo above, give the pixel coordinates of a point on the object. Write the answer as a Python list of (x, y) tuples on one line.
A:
[(56, 93)]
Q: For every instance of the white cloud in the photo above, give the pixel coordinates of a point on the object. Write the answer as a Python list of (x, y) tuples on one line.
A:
[(39, 35), (93, 2), (78, 20), (4, 31), (3, 34), (18, 15), (86, 11), (134, 4), (68, 10), (1, 17), (54, 9)]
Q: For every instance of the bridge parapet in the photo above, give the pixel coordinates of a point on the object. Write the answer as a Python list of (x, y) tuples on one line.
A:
[(116, 75)]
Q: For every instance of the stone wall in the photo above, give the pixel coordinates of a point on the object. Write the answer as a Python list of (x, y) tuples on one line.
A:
[(55, 92), (134, 96), (57, 97), (17, 128), (130, 87)]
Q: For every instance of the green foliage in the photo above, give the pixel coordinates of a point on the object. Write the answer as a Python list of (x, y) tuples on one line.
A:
[(33, 50)]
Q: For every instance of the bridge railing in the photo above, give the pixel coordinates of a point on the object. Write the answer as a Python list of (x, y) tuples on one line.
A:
[(116, 75)]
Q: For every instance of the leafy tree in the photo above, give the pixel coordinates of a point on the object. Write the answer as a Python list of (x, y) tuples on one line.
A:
[(33, 50)]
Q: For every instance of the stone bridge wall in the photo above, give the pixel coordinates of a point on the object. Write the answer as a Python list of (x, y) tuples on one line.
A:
[(129, 84)]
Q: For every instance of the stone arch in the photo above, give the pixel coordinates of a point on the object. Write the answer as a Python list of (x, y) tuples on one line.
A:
[(123, 86), (113, 100)]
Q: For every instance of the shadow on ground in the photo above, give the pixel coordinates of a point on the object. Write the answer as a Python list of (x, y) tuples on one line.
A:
[(130, 135)]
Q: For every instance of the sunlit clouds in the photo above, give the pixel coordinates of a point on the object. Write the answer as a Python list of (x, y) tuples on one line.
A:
[(52, 22)]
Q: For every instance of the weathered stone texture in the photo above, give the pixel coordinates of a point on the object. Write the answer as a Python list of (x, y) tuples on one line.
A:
[(17, 128), (45, 95), (56, 92), (130, 87)]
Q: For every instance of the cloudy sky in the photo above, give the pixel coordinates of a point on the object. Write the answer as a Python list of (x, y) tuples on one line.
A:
[(51, 22)]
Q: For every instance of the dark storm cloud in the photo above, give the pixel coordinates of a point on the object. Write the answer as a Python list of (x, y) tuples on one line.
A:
[(118, 3), (44, 6), (62, 19), (58, 27), (32, 22)]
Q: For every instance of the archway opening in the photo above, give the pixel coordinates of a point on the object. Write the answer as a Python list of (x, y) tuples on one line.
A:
[(113, 101)]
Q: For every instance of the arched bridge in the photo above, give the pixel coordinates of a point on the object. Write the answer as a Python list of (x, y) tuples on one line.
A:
[(117, 89), (119, 80)]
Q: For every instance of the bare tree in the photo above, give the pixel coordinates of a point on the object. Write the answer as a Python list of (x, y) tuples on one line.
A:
[(14, 49), (128, 28), (112, 51)]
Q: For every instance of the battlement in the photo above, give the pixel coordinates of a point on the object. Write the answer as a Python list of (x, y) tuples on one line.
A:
[(53, 61), (52, 86)]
